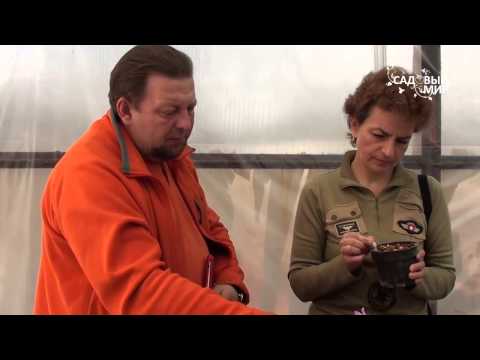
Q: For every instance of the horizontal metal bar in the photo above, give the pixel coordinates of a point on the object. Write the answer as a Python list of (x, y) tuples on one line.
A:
[(458, 162), (246, 161), (266, 161), (24, 160)]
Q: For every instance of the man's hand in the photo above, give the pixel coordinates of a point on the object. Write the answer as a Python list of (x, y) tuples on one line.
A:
[(354, 247), (226, 291), (417, 270)]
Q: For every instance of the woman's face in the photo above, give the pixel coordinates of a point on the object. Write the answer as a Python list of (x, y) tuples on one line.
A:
[(382, 140)]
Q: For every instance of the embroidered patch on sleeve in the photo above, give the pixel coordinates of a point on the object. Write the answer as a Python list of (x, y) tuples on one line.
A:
[(411, 227), (351, 226)]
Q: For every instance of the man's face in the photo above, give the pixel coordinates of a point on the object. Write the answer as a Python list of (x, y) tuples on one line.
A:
[(162, 122), (382, 140)]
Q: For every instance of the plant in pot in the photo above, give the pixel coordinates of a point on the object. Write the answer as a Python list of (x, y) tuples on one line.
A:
[(393, 260)]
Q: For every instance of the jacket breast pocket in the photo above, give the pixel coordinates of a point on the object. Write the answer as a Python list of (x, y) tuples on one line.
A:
[(409, 218), (343, 219)]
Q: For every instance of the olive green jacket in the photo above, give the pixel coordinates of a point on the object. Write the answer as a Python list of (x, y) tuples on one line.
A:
[(334, 203)]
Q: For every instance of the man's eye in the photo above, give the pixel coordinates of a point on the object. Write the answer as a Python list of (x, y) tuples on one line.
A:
[(168, 112), (379, 136)]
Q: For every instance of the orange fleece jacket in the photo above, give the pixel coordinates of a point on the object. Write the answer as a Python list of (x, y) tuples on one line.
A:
[(107, 235)]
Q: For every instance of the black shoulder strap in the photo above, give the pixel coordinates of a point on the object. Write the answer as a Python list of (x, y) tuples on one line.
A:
[(427, 205), (427, 200)]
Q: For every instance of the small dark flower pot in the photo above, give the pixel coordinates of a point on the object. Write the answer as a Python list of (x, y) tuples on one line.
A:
[(393, 262)]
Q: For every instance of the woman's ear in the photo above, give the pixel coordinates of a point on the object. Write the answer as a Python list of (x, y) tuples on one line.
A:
[(354, 125)]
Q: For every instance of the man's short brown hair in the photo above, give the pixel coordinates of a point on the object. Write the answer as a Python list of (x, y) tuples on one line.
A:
[(129, 76)]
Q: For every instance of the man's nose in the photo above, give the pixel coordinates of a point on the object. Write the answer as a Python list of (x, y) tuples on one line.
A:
[(184, 120)]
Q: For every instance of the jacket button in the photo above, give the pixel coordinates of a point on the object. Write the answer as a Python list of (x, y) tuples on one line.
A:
[(353, 213)]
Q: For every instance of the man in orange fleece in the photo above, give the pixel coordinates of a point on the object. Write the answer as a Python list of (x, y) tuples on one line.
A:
[(126, 226)]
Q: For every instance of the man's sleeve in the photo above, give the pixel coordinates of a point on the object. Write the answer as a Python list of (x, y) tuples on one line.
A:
[(226, 267)]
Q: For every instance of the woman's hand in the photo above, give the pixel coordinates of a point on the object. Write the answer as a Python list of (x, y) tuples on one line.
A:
[(354, 247), (417, 270)]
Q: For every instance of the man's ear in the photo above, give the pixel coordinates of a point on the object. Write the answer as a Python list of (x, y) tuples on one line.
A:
[(124, 110)]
